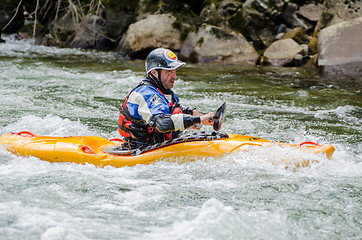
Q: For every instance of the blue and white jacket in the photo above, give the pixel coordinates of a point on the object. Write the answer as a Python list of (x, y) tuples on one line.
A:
[(149, 110)]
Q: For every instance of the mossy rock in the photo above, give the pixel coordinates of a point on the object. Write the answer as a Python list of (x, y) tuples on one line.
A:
[(313, 45), (297, 34), (312, 62)]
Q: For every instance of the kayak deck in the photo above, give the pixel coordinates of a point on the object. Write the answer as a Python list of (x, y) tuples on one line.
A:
[(90, 149)]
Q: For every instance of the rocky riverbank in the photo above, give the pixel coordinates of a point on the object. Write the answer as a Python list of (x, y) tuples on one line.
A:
[(319, 33)]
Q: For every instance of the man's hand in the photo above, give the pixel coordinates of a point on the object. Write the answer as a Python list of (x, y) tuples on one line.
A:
[(207, 119), (195, 113)]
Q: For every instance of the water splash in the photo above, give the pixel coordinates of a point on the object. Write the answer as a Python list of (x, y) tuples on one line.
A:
[(50, 126)]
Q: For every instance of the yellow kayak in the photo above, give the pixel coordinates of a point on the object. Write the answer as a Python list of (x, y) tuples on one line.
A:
[(95, 150)]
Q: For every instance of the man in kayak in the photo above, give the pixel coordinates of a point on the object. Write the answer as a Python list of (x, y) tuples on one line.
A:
[(151, 112)]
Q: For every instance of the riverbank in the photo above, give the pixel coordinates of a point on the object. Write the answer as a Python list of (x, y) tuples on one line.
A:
[(323, 34)]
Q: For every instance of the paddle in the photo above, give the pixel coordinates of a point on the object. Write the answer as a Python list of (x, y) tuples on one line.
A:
[(219, 116)]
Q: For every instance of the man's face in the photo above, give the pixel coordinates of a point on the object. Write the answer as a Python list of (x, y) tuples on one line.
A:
[(168, 78)]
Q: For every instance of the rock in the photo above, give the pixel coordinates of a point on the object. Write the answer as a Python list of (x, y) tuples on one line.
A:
[(310, 12), (282, 52), (255, 26), (179, 9), (271, 8), (62, 30), (290, 16), (297, 34), (186, 13), (118, 16), (340, 49), (213, 44), (211, 15), (153, 32), (313, 45), (47, 40), (298, 60), (298, 57), (257, 21), (336, 11), (279, 36), (312, 62), (229, 7), (217, 12), (282, 28), (90, 33), (305, 47)]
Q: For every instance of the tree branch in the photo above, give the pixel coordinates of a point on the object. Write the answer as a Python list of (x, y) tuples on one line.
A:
[(16, 13)]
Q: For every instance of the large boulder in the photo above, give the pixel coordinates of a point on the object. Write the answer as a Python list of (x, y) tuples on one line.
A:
[(213, 44), (90, 33), (336, 11), (149, 33), (340, 49), (282, 52)]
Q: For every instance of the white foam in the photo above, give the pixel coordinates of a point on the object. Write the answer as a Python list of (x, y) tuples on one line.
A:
[(217, 221), (25, 48), (50, 125)]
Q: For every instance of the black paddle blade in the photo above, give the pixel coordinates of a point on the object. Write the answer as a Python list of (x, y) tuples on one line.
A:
[(219, 116)]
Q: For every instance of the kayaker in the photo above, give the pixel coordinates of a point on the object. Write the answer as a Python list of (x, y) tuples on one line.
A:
[(151, 112)]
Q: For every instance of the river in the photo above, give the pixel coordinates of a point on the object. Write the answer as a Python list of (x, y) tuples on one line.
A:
[(248, 195)]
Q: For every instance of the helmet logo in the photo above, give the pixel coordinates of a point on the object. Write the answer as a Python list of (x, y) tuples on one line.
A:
[(169, 54)]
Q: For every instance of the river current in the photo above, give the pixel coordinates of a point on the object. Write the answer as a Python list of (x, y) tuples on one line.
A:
[(248, 195)]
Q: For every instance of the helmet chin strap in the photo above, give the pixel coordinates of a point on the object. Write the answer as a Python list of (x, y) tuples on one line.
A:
[(157, 79)]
